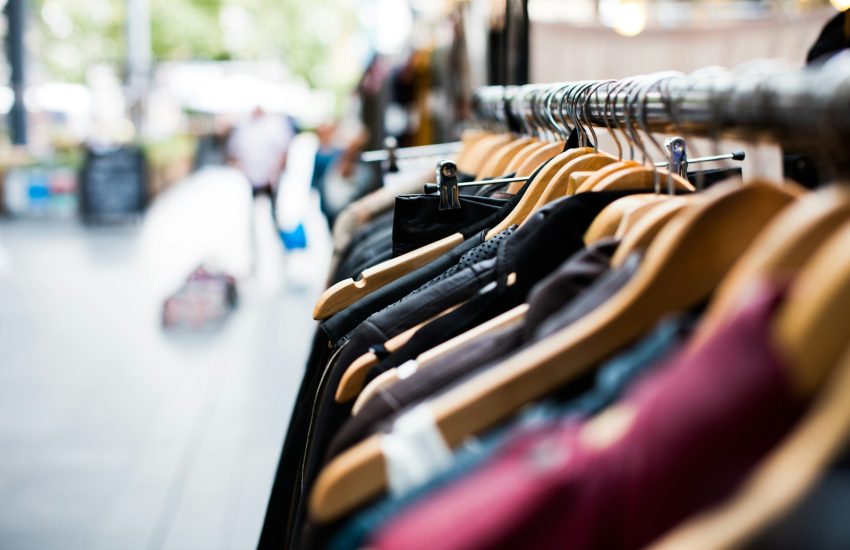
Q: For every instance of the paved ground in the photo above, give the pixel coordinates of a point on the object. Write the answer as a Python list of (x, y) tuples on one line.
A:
[(116, 435)]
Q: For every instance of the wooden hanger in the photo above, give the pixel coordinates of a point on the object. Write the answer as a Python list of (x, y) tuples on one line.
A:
[(559, 185), (426, 359), (522, 155), (526, 204), (676, 273), (640, 177), (495, 166), (354, 376), (540, 155), (380, 382), (811, 327), (468, 139), (634, 215), (481, 151), (645, 231), (790, 471), (779, 251), (608, 220), (577, 178), (599, 175), (346, 292), (351, 383), (548, 171)]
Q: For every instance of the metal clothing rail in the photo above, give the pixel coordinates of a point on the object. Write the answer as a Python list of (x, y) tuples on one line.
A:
[(735, 155), (761, 101), (438, 149)]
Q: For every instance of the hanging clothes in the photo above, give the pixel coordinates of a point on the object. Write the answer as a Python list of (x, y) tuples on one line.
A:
[(556, 365)]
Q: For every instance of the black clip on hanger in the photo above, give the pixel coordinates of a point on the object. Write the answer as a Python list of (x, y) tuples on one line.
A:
[(447, 184)]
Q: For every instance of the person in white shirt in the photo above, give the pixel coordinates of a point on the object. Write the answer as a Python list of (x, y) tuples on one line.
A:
[(258, 148)]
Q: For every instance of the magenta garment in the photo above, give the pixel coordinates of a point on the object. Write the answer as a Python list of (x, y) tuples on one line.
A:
[(702, 422)]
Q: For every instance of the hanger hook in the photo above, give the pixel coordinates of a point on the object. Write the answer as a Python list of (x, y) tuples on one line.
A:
[(550, 115), (515, 108), (614, 98), (612, 84), (532, 112), (629, 114), (586, 108), (629, 86), (538, 114), (562, 108), (651, 82), (534, 98), (581, 115), (570, 111)]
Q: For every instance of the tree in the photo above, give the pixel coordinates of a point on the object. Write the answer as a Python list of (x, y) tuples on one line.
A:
[(71, 35)]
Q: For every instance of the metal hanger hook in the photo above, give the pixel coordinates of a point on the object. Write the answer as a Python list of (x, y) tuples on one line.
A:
[(586, 114), (627, 87), (578, 108), (556, 127), (611, 85)]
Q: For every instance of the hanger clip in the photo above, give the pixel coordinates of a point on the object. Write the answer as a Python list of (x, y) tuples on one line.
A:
[(391, 144), (677, 154), (447, 185)]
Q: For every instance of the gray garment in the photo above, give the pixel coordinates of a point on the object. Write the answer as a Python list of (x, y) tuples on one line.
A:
[(474, 270), (605, 287)]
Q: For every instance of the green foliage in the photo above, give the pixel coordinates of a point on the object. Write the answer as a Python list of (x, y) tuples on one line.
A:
[(72, 34), (186, 29)]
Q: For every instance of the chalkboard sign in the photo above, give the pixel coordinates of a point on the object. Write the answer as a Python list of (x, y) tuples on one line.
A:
[(112, 184)]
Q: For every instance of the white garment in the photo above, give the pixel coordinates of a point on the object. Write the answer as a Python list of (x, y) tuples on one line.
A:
[(414, 450), (258, 145)]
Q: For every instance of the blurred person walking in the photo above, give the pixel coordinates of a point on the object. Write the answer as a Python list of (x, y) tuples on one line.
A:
[(258, 148)]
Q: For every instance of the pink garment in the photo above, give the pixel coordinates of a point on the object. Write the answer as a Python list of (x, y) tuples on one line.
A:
[(701, 423)]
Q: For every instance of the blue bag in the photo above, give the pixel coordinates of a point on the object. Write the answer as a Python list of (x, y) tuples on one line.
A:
[(295, 238)]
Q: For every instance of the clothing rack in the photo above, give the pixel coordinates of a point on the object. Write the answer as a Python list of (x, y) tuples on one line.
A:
[(762, 101), (734, 155), (418, 151)]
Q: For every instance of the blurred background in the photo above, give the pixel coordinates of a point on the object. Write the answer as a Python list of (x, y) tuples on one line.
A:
[(170, 171)]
